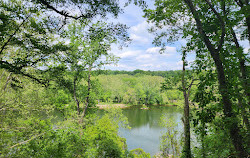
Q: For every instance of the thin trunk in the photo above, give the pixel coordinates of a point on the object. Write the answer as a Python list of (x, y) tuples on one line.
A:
[(227, 108), (203, 151), (87, 98), (223, 89), (243, 110), (243, 68), (248, 26), (245, 6), (76, 100), (186, 148)]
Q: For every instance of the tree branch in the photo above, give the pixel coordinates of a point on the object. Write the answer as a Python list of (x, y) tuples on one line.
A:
[(11, 36), (17, 70), (26, 141), (189, 87), (222, 25), (64, 13), (200, 27), (239, 2), (7, 81)]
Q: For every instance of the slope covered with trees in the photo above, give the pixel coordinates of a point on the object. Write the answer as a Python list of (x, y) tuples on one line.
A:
[(49, 49)]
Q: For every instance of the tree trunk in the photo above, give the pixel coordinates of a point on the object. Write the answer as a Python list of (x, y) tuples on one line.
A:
[(76, 100), (248, 25), (186, 152), (243, 111), (243, 68), (227, 109), (87, 98)]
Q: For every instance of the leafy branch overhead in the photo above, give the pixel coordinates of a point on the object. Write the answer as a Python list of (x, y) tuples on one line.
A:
[(32, 32)]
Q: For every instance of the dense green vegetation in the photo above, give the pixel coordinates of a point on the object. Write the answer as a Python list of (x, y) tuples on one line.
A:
[(137, 90), (50, 78)]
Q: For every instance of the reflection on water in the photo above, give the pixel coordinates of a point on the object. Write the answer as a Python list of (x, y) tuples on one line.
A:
[(145, 130)]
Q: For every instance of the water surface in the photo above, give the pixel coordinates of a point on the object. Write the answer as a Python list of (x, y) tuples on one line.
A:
[(145, 130)]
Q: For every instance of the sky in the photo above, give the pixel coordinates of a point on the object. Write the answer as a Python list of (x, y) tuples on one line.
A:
[(141, 53)]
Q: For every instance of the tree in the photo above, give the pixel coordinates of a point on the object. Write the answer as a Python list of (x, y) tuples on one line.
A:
[(88, 47), (186, 152), (186, 89), (208, 34), (30, 29)]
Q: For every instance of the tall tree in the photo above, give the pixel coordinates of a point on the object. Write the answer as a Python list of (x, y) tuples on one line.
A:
[(209, 30), (186, 152)]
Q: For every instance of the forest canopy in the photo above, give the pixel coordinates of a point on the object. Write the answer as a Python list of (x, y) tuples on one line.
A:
[(52, 55)]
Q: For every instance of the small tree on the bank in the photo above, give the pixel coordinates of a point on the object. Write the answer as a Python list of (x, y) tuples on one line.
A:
[(89, 50), (186, 85)]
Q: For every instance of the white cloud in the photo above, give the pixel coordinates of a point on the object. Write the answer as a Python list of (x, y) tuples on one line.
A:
[(129, 54), (144, 57), (147, 65), (168, 50), (139, 33), (179, 63), (153, 50), (140, 39), (125, 67), (141, 28)]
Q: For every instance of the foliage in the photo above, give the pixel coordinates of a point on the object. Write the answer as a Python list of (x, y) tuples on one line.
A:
[(220, 61), (103, 140), (170, 143), (128, 89), (139, 153), (29, 127), (30, 29)]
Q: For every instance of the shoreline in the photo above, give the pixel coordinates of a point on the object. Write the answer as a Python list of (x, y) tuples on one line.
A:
[(124, 106), (107, 106)]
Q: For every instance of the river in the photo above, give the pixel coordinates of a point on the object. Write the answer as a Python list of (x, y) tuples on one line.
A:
[(145, 130)]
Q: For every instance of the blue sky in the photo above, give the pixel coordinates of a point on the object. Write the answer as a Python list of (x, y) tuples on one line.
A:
[(141, 53)]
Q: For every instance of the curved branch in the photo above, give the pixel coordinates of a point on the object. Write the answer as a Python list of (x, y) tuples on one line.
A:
[(64, 13)]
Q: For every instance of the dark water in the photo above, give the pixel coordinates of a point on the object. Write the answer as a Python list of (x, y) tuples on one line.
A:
[(145, 130)]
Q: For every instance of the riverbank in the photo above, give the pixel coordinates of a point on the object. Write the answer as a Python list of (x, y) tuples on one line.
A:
[(124, 106), (106, 106)]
